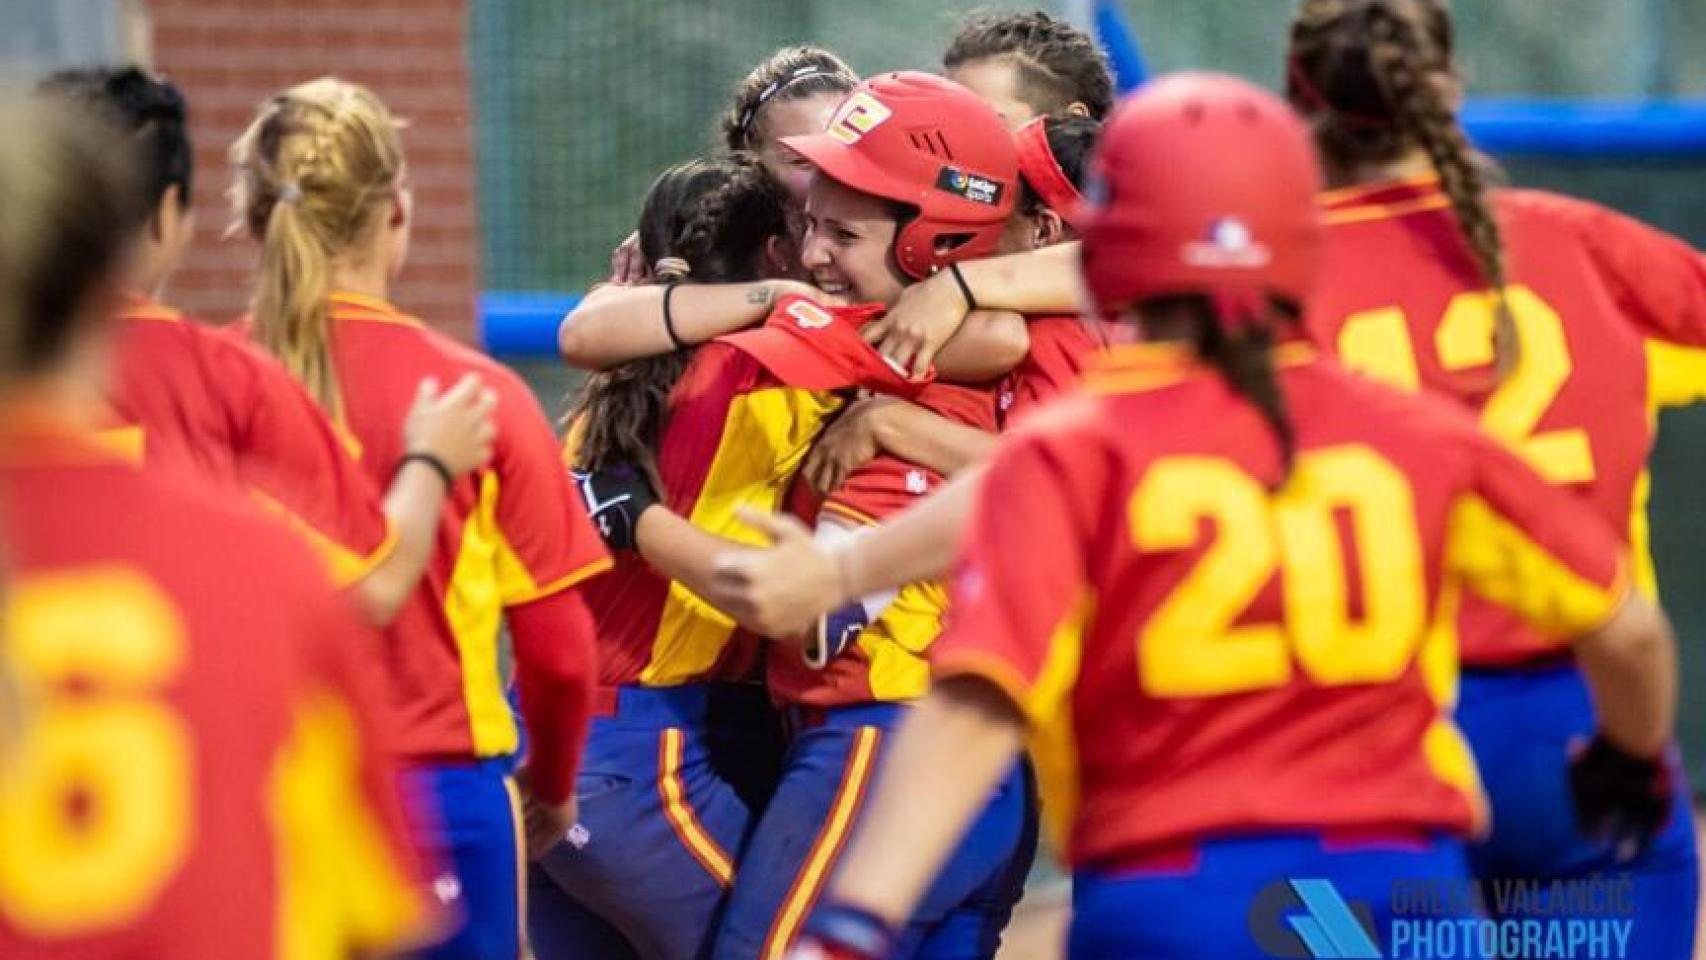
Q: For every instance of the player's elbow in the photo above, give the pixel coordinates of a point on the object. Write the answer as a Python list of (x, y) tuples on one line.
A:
[(576, 340), (380, 596), (988, 345)]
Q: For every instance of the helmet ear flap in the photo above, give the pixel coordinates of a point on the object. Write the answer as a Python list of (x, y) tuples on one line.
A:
[(915, 249)]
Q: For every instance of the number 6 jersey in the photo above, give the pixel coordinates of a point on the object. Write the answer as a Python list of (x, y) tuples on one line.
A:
[(1206, 650)]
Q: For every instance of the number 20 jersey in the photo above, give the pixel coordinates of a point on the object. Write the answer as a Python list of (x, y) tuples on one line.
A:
[(1611, 323), (1203, 650)]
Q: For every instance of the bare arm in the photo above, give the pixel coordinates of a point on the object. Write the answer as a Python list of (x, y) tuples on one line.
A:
[(681, 551), (615, 324), (930, 312), (951, 751), (886, 424), (782, 589), (1630, 665), (989, 344)]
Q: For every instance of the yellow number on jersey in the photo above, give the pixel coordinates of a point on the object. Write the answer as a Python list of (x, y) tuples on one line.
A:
[(1378, 343), (1192, 645), (95, 801)]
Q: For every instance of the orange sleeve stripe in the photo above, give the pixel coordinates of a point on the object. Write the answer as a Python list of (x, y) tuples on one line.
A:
[(346, 564), (826, 849), (562, 583), (846, 512), (682, 819)]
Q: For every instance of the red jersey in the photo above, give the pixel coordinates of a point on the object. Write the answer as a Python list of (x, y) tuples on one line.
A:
[(1611, 320), (735, 435), (887, 485), (193, 399), (199, 774), (511, 532), (1061, 347), (1184, 631)]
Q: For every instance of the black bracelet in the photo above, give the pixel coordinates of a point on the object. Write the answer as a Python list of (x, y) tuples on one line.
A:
[(965, 288), (439, 467), (669, 318)]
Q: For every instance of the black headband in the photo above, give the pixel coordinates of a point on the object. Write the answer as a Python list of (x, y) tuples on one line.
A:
[(772, 89)]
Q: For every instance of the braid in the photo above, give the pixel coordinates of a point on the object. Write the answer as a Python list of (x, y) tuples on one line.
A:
[(791, 73), (1376, 71), (717, 215), (1058, 64)]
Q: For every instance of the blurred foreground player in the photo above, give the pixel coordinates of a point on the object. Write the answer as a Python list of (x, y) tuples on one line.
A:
[(1227, 571), (198, 774)]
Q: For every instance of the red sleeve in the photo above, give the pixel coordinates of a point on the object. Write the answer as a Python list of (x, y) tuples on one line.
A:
[(1021, 594), (546, 543), (1539, 550), (556, 662), (1658, 281), (292, 458)]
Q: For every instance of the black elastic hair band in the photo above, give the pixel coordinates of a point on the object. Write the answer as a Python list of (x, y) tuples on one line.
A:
[(669, 318), (965, 288), (438, 466)]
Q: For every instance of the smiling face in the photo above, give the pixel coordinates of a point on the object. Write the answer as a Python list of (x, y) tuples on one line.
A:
[(849, 241), (788, 118)]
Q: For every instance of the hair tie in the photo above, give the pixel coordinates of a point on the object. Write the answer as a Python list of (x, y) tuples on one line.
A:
[(290, 192), (772, 89), (1043, 174), (671, 269)]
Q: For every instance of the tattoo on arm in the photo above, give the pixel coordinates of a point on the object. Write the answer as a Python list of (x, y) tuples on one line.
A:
[(760, 295)]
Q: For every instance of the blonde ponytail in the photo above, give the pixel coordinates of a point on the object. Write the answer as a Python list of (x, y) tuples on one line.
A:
[(314, 171)]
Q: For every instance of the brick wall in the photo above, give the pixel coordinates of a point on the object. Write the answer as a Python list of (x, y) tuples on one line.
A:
[(230, 55)]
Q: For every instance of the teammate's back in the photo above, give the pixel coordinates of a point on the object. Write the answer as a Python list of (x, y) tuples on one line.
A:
[(201, 773), (1239, 629)]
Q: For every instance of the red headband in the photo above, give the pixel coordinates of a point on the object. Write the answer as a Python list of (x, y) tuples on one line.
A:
[(1042, 172)]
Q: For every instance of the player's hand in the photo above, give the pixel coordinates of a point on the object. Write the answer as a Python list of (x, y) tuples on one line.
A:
[(926, 316), (779, 591), (837, 932), (627, 264), (455, 426), (845, 445), (1621, 799), (546, 824), (615, 498)]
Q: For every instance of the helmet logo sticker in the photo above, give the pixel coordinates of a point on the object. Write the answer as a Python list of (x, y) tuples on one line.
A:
[(858, 115), (1228, 243), (809, 316), (970, 186)]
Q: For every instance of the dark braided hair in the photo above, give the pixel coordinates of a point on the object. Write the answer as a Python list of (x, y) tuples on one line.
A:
[(1071, 140), (791, 73), (717, 216), (1377, 75), (150, 108), (1058, 64)]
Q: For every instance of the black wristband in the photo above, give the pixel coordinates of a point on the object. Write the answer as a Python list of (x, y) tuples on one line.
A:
[(669, 318), (439, 467), (965, 288)]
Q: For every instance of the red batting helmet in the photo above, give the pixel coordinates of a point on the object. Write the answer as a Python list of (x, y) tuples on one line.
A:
[(1202, 184), (930, 143)]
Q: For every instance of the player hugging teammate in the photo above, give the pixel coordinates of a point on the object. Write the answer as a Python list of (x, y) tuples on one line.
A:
[(909, 552)]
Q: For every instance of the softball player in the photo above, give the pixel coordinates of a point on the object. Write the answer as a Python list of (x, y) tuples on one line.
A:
[(792, 92), (189, 399), (886, 207), (173, 792), (1240, 590), (1566, 327), (662, 822), (321, 186), (1030, 65)]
